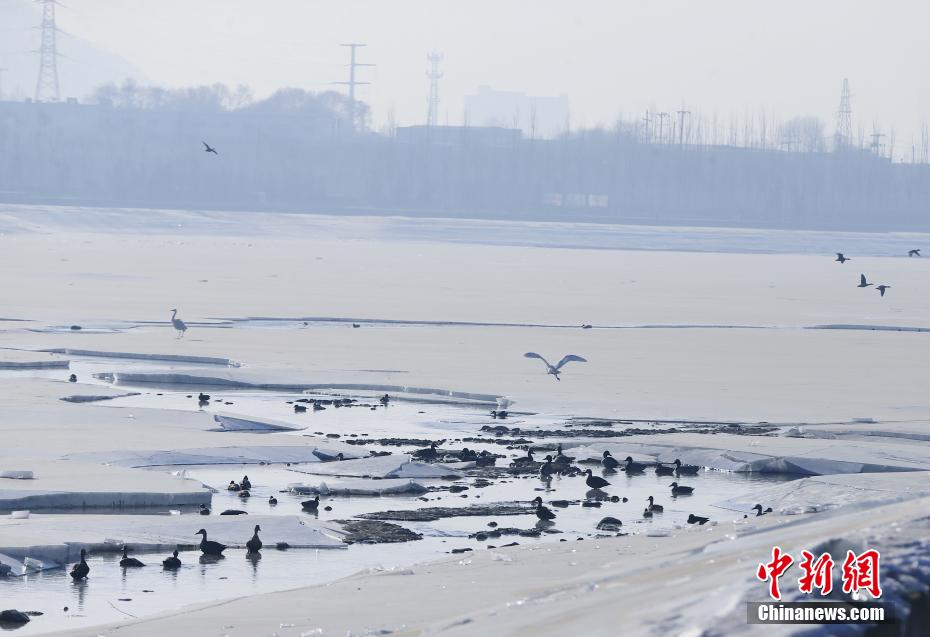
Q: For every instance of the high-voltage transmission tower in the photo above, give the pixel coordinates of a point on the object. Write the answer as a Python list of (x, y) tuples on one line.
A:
[(47, 83), (352, 83), (843, 136), (434, 75)]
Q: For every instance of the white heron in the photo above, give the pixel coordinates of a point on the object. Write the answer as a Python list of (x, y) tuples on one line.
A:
[(555, 370), (178, 323)]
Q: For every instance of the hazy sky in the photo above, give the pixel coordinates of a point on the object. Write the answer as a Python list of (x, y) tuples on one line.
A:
[(609, 56)]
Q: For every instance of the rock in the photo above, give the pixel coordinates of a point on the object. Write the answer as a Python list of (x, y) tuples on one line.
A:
[(460, 550), (376, 532)]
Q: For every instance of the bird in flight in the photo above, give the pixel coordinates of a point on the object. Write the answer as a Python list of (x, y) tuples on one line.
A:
[(862, 282), (555, 370), (913, 253), (209, 149), (882, 288), (841, 257)]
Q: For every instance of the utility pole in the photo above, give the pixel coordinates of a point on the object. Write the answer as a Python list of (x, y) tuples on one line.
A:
[(47, 82), (662, 117), (877, 142), (647, 134), (3, 69), (352, 83), (434, 75), (843, 135), (681, 125)]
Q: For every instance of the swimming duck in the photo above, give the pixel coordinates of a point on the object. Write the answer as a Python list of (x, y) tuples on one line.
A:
[(255, 544), (272, 501), (232, 486), (204, 510), (202, 397), (245, 484), (633, 467), (696, 519), (245, 494), (233, 512), (647, 513), (172, 562), (561, 457), (685, 469), (129, 562), (80, 570), (759, 511), (664, 470), (528, 458), (658, 508), (311, 505), (209, 547), (547, 468), (595, 482), (679, 490), (427, 453), (609, 462), (299, 409), (543, 513)]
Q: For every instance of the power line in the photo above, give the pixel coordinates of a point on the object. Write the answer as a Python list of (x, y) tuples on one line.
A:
[(434, 75), (47, 82), (352, 83)]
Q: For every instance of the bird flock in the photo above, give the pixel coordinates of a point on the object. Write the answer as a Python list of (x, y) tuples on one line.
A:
[(863, 281)]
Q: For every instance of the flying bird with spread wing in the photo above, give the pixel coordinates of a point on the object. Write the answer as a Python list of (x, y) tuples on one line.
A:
[(555, 370), (207, 148), (841, 257)]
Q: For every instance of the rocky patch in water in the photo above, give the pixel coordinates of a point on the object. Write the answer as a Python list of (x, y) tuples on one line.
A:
[(376, 532), (431, 514)]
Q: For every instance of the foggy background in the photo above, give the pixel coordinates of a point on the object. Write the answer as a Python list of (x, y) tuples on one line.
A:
[(717, 112)]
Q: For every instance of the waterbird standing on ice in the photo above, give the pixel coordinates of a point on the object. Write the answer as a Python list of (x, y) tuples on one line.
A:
[(696, 519), (178, 323), (841, 258), (685, 469), (129, 562), (913, 253), (862, 282), (172, 562), (209, 149), (80, 570), (609, 462), (595, 482), (209, 547), (658, 508), (555, 369), (681, 490), (882, 288), (543, 513), (255, 544), (758, 509)]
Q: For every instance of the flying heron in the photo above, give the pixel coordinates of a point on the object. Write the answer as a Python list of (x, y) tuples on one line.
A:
[(555, 370)]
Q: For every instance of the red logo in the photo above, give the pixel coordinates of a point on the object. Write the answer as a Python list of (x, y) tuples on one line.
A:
[(859, 572)]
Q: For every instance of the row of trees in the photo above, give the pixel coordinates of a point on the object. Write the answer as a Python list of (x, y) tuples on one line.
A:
[(141, 146)]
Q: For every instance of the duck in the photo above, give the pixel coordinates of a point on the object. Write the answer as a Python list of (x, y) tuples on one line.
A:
[(202, 397), (647, 513), (129, 562), (427, 453), (245, 494), (384, 400), (609, 462), (172, 562), (255, 544), (467, 455), (685, 469), (696, 519), (299, 409), (245, 484), (272, 501), (72, 378), (542, 512), (234, 512), (528, 458), (232, 486), (209, 547), (680, 490), (664, 470), (311, 505), (658, 508), (759, 511), (204, 510), (595, 482), (561, 457), (80, 570), (547, 468), (633, 467)]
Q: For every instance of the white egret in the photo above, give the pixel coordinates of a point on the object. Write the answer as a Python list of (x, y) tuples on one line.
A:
[(555, 370)]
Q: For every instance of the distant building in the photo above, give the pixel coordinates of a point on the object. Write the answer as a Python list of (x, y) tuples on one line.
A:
[(535, 116), (459, 135)]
